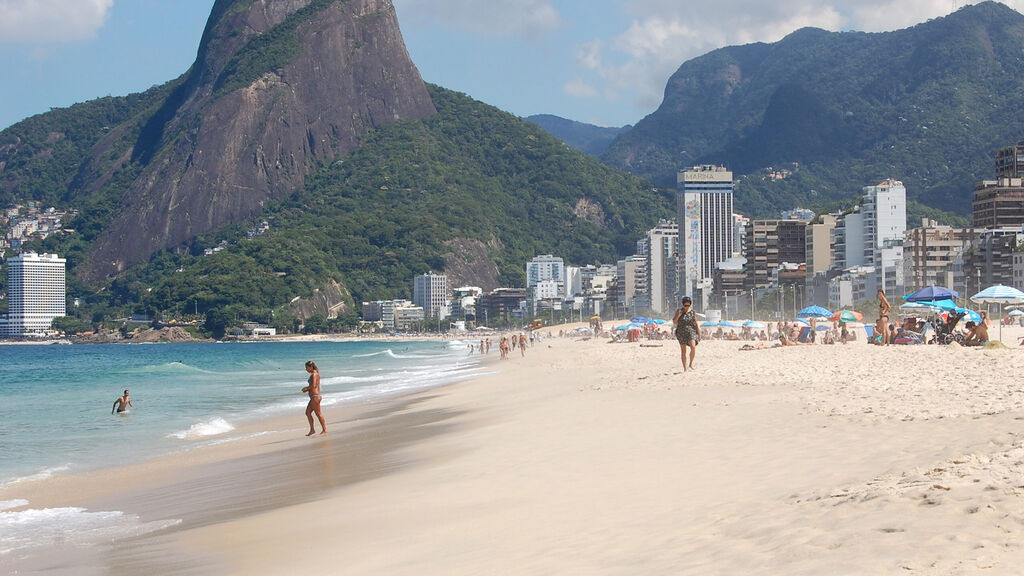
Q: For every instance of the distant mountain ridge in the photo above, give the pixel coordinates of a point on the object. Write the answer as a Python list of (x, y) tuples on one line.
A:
[(587, 138), (928, 105), (308, 115)]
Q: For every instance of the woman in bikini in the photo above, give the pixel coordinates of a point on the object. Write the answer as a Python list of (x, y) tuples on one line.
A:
[(314, 398), (882, 327)]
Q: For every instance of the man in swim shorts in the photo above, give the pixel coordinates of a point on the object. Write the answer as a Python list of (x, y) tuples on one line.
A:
[(122, 404)]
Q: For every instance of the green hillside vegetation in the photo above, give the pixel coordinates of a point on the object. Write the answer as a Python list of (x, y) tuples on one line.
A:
[(927, 105), (375, 219)]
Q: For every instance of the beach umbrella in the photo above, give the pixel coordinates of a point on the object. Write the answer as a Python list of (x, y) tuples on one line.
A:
[(656, 321), (814, 312), (1001, 295), (754, 325), (728, 324), (640, 319), (969, 314), (709, 324), (1016, 313), (847, 316), (931, 293)]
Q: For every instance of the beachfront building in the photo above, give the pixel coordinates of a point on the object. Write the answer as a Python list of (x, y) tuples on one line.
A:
[(36, 294), (408, 316), (430, 291), (464, 302), (545, 267), (929, 252), (998, 203), (990, 259), (853, 285), (731, 295), (706, 232), (769, 244), (1018, 270), (872, 236), (659, 247), (400, 314), (631, 279), (590, 284), (501, 306), (818, 241)]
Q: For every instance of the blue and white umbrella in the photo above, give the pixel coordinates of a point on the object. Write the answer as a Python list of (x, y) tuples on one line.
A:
[(754, 325), (999, 294), (814, 312)]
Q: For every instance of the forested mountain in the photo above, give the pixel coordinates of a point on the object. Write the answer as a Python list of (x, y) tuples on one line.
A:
[(928, 105), (307, 115), (587, 138)]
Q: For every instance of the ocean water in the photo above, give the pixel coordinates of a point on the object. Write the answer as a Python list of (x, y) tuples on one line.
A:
[(55, 403)]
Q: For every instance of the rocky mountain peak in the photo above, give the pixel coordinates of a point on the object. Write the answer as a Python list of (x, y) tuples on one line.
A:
[(278, 88)]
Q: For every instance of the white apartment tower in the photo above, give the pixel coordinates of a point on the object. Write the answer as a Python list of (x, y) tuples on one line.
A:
[(543, 268), (660, 248), (885, 218), (430, 291), (705, 218), (36, 293)]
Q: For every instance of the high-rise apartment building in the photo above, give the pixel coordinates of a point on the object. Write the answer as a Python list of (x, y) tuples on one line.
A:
[(930, 251), (36, 293), (659, 247), (544, 268), (430, 291), (706, 235), (998, 203), (769, 244), (872, 237)]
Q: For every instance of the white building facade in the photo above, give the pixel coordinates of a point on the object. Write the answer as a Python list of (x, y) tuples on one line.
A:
[(706, 233), (546, 267), (660, 248), (36, 292), (430, 292)]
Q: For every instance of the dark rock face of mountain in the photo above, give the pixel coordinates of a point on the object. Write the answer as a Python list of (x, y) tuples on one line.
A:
[(279, 87), (928, 105)]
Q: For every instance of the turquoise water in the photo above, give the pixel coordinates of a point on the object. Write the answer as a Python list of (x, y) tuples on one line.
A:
[(55, 404), (55, 401)]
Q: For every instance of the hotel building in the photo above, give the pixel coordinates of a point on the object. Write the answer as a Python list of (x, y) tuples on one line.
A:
[(706, 235), (36, 294)]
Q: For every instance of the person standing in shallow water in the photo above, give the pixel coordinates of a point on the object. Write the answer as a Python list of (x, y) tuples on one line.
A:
[(122, 403), (687, 331), (314, 398)]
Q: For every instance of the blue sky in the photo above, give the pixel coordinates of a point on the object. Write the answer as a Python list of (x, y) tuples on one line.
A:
[(600, 61)]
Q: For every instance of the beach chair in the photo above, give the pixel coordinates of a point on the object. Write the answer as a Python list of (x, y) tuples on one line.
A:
[(805, 335), (911, 337)]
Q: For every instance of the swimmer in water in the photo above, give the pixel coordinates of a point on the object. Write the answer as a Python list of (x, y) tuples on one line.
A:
[(122, 404)]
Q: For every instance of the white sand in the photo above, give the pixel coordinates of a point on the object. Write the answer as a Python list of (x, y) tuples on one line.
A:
[(596, 458), (592, 458)]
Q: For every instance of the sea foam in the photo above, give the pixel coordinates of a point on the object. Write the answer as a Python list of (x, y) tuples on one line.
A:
[(203, 429), (35, 528)]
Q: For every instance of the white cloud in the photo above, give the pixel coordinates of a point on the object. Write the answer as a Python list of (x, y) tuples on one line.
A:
[(526, 18), (51, 21), (663, 34), (578, 88)]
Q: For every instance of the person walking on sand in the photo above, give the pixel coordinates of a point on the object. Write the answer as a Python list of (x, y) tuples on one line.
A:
[(314, 398), (122, 404), (687, 331)]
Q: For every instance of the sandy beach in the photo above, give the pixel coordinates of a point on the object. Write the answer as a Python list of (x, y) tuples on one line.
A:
[(586, 457)]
